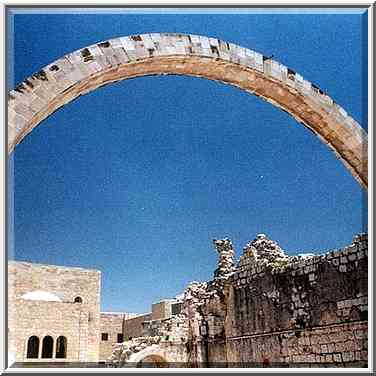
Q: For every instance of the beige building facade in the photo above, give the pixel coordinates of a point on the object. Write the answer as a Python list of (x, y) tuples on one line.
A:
[(54, 315)]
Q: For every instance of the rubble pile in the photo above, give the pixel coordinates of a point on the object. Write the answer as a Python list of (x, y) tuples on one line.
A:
[(121, 352), (262, 249), (173, 328), (195, 296)]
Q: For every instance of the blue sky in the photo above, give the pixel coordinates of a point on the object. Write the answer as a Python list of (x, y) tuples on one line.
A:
[(136, 179)]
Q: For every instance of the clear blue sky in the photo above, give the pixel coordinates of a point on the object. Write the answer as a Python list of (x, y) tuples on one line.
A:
[(138, 177)]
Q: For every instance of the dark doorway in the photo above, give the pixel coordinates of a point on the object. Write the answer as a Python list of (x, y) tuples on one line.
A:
[(47, 347), (33, 347), (61, 347)]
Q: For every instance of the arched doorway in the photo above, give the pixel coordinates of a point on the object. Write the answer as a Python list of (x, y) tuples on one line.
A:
[(149, 54), (61, 347), (153, 361), (47, 347), (32, 347)]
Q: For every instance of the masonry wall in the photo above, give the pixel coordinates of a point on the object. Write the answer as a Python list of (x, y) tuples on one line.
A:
[(113, 325), (162, 310), (134, 327), (78, 322), (50, 319), (311, 311)]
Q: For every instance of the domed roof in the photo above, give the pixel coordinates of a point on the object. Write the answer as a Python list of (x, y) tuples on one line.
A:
[(41, 295)]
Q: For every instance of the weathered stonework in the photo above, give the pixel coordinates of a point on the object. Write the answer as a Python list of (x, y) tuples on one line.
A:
[(31, 314), (152, 54), (270, 310), (111, 325), (226, 262), (282, 310), (134, 327)]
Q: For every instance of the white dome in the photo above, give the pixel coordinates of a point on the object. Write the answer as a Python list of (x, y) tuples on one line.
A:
[(41, 295)]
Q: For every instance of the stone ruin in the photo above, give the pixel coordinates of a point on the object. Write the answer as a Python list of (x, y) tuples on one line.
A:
[(269, 309), (226, 263), (123, 351), (262, 250)]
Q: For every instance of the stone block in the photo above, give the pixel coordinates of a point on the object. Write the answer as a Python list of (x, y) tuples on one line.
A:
[(348, 356), (328, 358), (335, 261), (339, 347), (342, 268), (352, 257)]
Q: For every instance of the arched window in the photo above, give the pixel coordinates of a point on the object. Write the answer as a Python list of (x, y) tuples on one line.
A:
[(47, 347), (61, 347), (32, 347), (78, 299)]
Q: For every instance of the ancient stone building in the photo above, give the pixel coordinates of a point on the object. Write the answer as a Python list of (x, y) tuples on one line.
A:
[(54, 315), (111, 331), (53, 312), (266, 309)]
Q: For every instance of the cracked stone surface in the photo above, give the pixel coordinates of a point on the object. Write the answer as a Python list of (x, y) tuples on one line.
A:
[(264, 249), (273, 309)]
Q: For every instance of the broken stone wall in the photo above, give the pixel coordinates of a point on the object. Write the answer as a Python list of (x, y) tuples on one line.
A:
[(299, 309), (269, 310)]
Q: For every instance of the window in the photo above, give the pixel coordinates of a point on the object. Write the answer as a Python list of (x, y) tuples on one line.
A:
[(61, 347), (104, 336), (32, 347), (47, 347), (176, 308), (120, 338), (78, 299)]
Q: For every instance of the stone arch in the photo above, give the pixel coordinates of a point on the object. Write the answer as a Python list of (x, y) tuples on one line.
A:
[(153, 54), (154, 361), (153, 353)]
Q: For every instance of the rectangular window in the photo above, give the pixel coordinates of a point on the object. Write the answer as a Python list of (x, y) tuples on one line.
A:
[(120, 338), (104, 336), (176, 308)]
